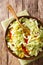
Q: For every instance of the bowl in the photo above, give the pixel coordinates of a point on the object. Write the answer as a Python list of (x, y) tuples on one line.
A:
[(24, 58)]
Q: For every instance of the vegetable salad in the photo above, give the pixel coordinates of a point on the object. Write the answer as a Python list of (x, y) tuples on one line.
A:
[(22, 45)]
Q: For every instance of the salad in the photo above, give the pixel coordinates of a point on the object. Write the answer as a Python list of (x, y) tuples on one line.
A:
[(22, 45)]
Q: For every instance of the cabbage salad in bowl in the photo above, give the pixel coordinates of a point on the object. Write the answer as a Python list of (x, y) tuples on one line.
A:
[(21, 44)]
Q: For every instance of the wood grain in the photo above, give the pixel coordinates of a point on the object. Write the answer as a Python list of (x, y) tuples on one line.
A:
[(3, 16), (31, 6), (40, 13), (13, 4), (3, 10), (40, 10), (18, 5)]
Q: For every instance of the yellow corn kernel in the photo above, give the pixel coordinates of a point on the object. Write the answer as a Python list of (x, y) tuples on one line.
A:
[(20, 49), (21, 55)]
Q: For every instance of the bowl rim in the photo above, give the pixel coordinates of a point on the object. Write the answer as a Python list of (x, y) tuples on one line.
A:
[(25, 58)]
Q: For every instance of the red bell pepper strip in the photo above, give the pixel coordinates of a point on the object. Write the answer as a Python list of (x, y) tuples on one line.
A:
[(26, 40), (10, 35), (24, 49)]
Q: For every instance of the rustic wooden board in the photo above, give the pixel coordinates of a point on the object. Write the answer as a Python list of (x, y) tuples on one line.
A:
[(3, 16), (35, 8), (40, 13), (31, 6)]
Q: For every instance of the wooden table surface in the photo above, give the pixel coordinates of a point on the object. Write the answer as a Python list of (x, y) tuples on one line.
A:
[(35, 8)]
